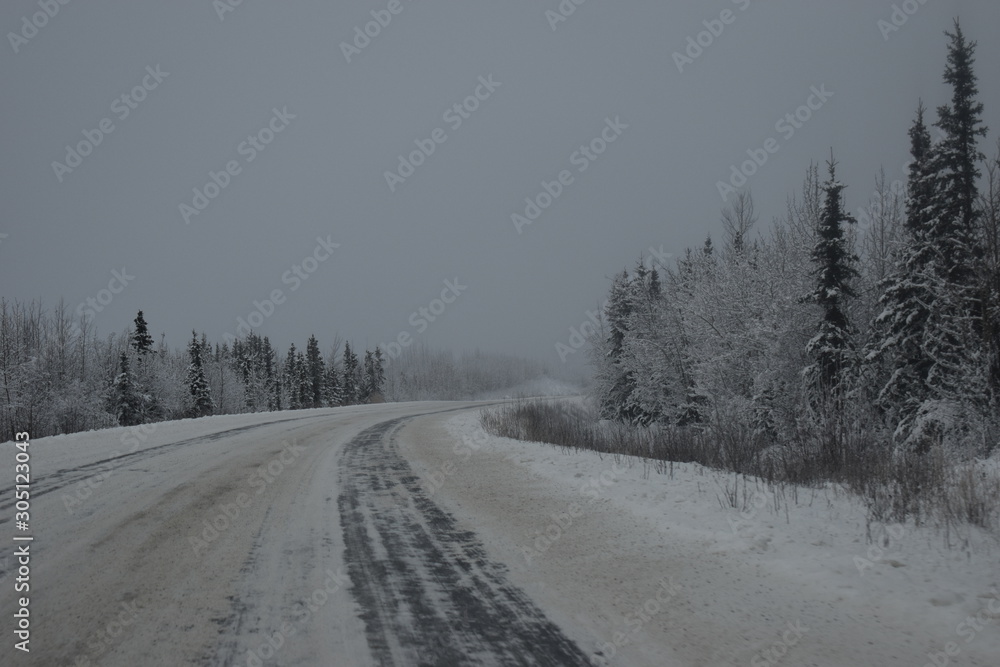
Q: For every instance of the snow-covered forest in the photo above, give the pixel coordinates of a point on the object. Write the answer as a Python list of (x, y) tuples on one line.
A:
[(826, 329), (58, 375)]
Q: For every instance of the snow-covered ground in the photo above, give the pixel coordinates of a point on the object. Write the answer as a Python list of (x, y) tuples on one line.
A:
[(343, 536), (658, 569)]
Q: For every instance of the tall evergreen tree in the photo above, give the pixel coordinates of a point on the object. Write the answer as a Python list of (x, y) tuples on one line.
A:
[(201, 403), (334, 393), (126, 397), (833, 345), (907, 295), (349, 379), (141, 340), (316, 371), (290, 375)]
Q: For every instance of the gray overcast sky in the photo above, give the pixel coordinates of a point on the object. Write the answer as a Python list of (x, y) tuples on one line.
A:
[(323, 174)]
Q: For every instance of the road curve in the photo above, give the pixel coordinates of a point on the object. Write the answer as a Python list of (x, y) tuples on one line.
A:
[(289, 539), (429, 594)]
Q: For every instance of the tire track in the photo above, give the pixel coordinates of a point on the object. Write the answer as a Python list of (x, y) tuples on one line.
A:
[(427, 591)]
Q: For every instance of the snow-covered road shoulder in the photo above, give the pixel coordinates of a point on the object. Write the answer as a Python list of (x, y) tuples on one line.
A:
[(651, 569)]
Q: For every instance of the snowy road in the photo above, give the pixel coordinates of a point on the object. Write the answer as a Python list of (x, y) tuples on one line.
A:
[(401, 535), (294, 539)]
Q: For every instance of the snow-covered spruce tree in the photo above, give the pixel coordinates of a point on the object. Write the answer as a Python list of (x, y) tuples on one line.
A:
[(896, 353), (832, 347), (333, 392), (200, 402), (271, 374), (955, 339), (615, 382), (141, 340), (349, 378), (378, 372), (989, 241), (304, 381), (290, 378), (316, 372), (125, 399), (367, 387)]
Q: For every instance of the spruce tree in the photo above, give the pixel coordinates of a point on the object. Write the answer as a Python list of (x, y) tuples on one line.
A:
[(290, 375), (833, 345), (349, 380), (201, 398), (141, 340), (334, 394), (316, 371), (907, 295), (378, 383), (126, 397)]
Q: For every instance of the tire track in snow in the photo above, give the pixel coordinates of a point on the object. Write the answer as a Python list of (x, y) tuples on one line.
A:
[(427, 591)]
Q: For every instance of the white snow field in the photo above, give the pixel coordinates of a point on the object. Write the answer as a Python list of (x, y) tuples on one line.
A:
[(401, 534)]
